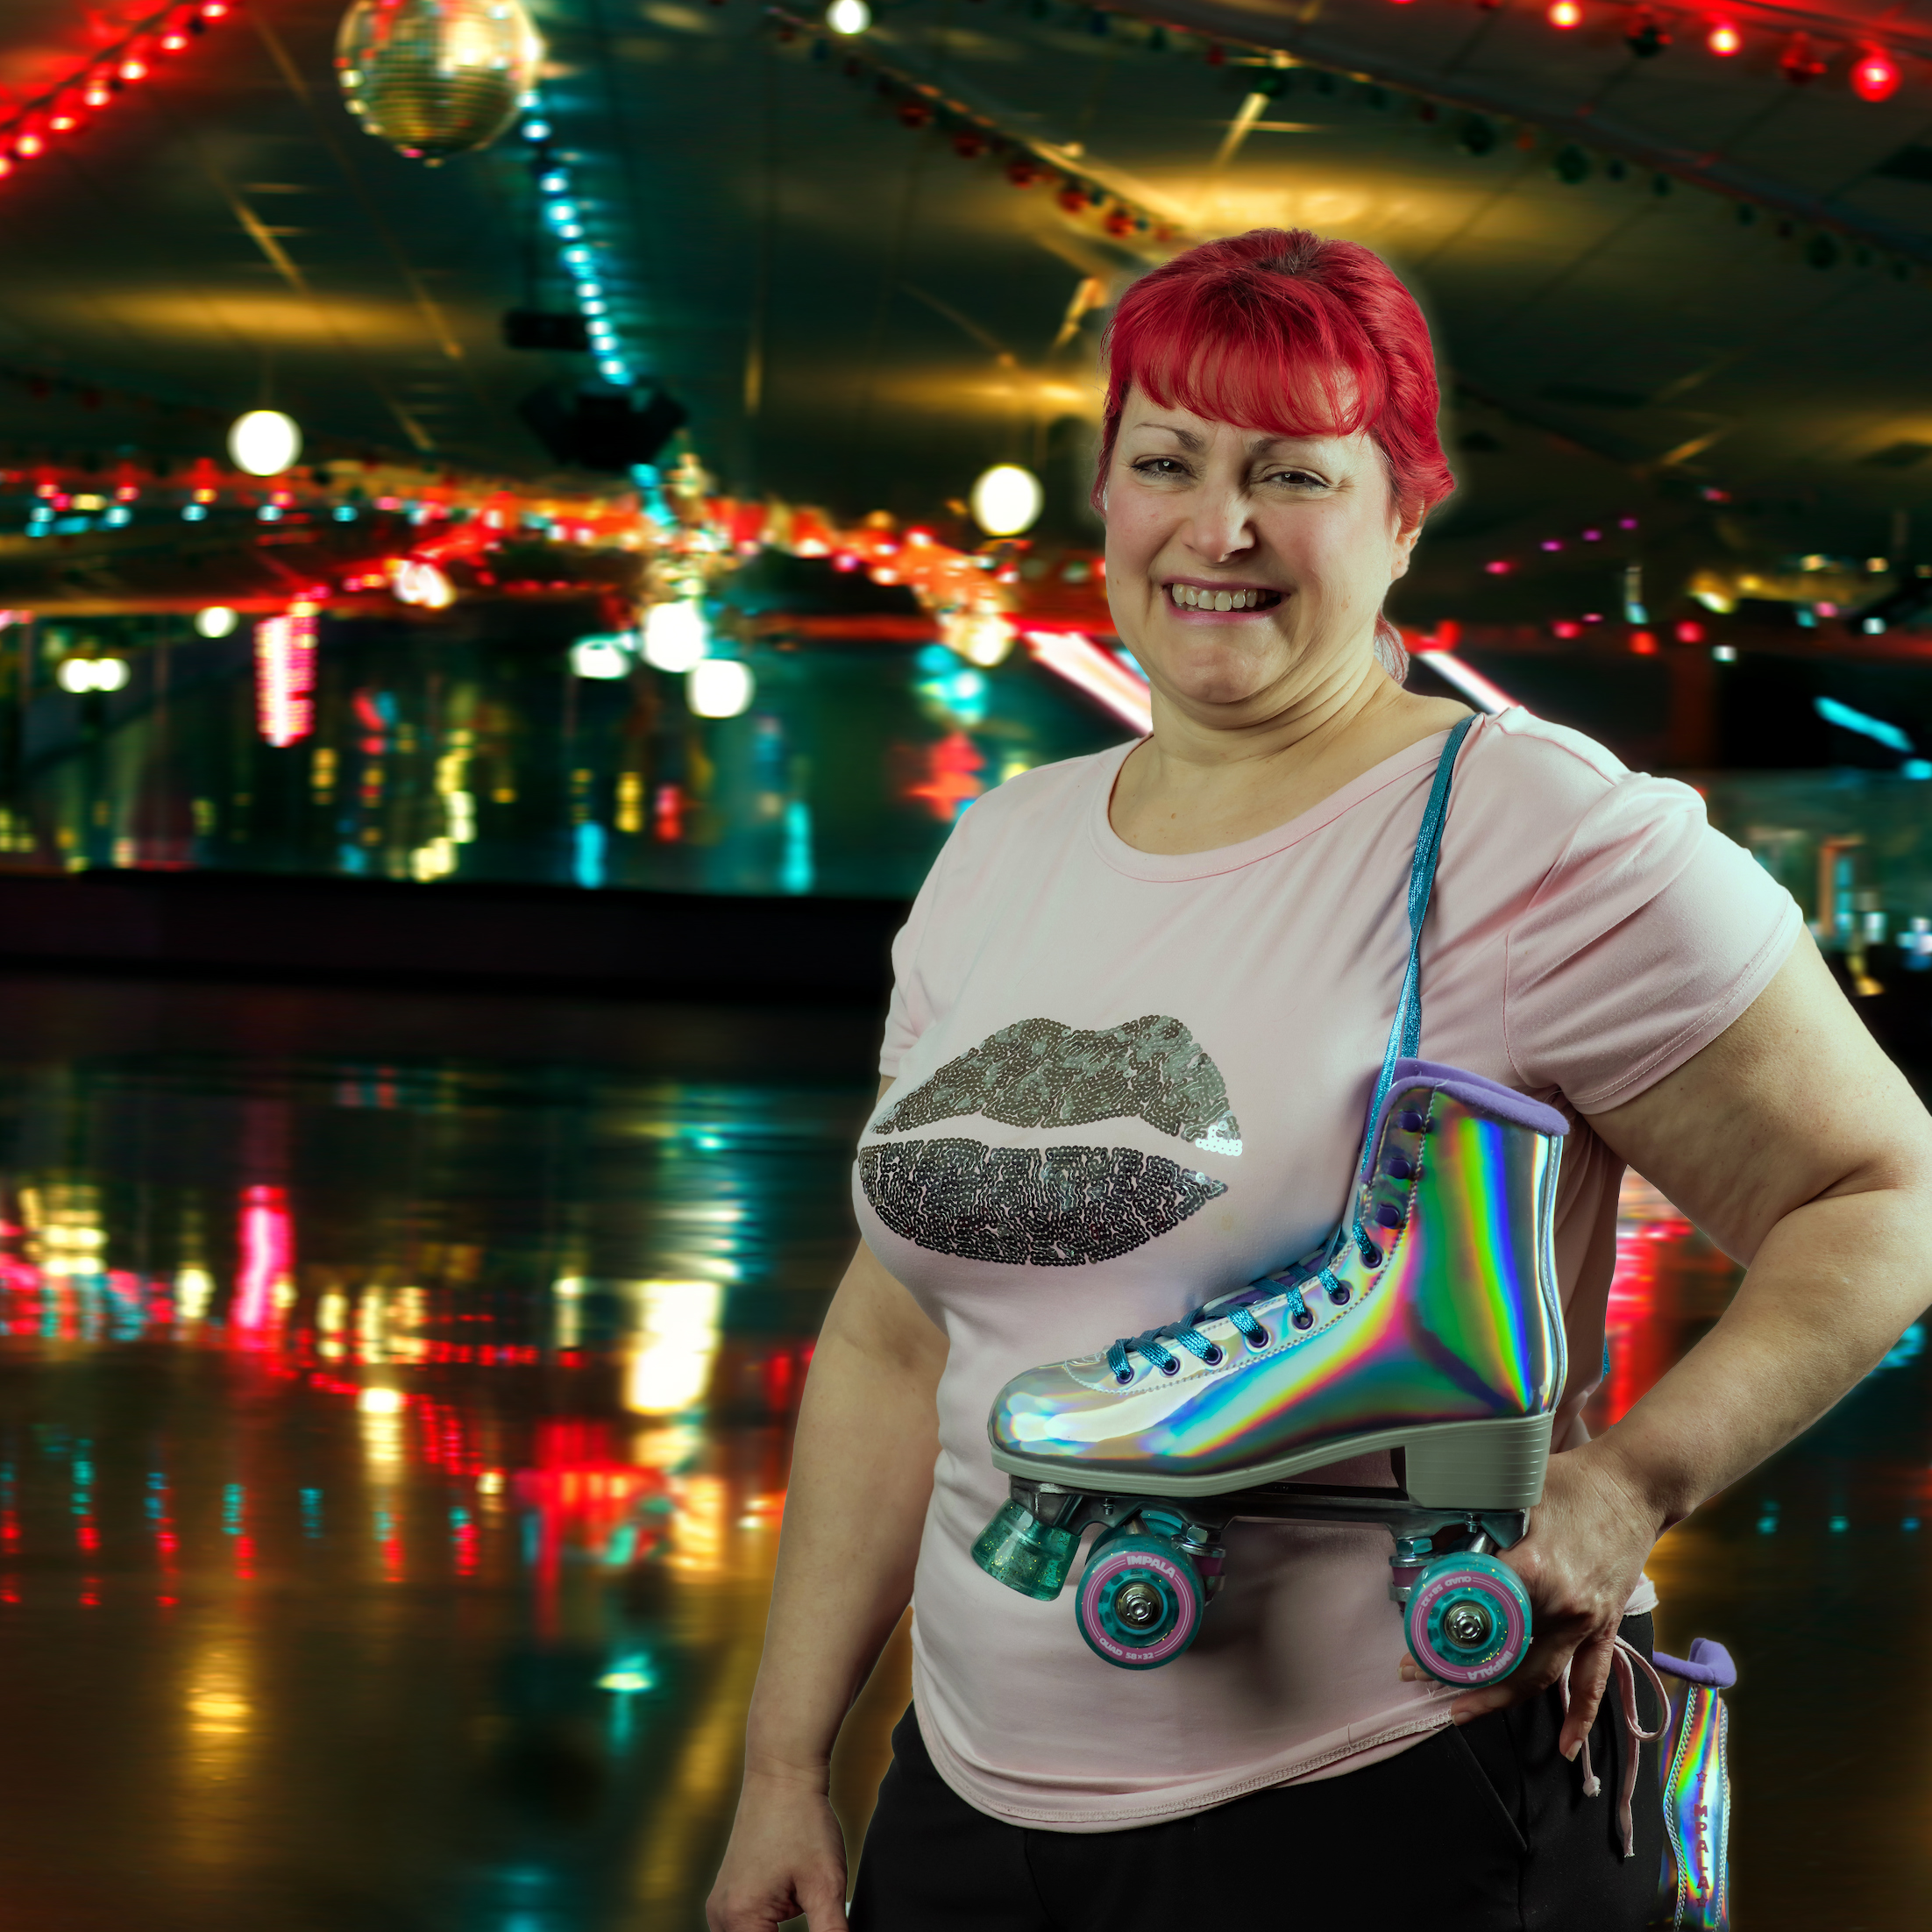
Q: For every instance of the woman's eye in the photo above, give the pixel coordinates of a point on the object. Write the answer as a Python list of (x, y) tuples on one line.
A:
[(1158, 465), (1298, 479)]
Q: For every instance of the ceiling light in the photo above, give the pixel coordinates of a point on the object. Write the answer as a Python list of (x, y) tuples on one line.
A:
[(1565, 13), (1007, 500), (849, 17), (721, 688), (676, 636), (1724, 39), (264, 442), (217, 621)]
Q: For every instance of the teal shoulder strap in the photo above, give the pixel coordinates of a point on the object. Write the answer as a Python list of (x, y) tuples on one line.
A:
[(1405, 1036)]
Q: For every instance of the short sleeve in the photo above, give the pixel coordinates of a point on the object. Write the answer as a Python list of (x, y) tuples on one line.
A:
[(911, 1009), (1649, 935)]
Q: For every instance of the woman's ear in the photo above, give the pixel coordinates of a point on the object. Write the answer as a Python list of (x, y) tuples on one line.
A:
[(1410, 517)]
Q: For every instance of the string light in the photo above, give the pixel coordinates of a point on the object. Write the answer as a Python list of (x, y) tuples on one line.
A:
[(1564, 13), (1874, 75), (1724, 39), (170, 30)]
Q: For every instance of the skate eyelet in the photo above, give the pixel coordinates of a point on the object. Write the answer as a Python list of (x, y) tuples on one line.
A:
[(1170, 1366), (1389, 1216), (1411, 1123), (1303, 1319), (1258, 1341), (1214, 1357), (1398, 1168), (1338, 1294), (1123, 1376)]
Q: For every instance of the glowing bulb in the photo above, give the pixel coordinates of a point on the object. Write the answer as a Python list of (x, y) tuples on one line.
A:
[(848, 16), (601, 656), (1724, 39), (1007, 500), (1565, 13), (717, 687), (1875, 75), (217, 621), (676, 636), (264, 442)]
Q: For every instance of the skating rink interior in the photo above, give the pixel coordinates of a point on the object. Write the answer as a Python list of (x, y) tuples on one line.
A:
[(392, 1444)]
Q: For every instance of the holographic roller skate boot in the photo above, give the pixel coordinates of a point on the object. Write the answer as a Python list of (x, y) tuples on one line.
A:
[(1429, 1324)]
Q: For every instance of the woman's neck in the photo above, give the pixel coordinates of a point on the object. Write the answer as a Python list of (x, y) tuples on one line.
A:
[(1199, 784)]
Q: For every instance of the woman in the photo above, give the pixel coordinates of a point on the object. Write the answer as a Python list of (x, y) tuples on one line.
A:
[(1224, 902)]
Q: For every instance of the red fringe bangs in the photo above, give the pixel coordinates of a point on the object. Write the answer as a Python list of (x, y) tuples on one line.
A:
[(1278, 330)]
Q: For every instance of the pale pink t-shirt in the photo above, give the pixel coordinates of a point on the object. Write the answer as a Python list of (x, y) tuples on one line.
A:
[(1589, 932)]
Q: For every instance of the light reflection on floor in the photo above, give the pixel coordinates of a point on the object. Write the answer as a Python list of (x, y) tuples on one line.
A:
[(394, 1413)]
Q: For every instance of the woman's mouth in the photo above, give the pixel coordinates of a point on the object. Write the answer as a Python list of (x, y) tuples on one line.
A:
[(1215, 598)]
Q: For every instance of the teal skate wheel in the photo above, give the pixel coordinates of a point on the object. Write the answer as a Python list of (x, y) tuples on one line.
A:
[(1468, 1620), (1140, 1601)]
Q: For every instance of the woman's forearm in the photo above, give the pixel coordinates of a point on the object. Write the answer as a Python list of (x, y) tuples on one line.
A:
[(1827, 1294), (861, 1476)]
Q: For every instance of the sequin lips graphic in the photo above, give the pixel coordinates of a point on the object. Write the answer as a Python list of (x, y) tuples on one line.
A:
[(1055, 1206)]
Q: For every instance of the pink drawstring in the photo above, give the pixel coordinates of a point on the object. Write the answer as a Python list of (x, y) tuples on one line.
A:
[(1622, 1658)]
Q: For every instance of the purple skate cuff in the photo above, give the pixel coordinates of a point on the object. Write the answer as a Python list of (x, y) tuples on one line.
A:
[(1505, 1102), (1709, 1663)]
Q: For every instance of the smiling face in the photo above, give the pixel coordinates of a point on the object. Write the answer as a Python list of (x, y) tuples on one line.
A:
[(1246, 569)]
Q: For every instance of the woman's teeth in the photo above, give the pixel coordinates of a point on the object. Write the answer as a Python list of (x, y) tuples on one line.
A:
[(1189, 598)]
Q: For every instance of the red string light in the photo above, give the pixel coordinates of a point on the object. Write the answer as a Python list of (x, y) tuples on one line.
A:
[(171, 30), (1565, 13), (1724, 39), (1874, 75)]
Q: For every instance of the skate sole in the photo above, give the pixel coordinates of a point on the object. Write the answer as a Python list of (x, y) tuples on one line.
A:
[(1496, 1465)]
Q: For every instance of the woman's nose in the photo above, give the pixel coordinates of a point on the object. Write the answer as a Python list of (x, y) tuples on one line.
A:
[(1221, 526)]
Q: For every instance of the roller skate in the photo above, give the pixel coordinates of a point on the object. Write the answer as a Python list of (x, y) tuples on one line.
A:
[(1429, 1325)]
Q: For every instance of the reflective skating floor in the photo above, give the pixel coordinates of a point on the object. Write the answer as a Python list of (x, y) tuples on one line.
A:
[(393, 1443)]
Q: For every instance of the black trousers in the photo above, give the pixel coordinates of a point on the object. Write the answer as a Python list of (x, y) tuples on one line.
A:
[(1481, 1828)]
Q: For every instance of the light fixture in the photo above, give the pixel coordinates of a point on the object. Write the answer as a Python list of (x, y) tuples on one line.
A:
[(1874, 75), (80, 674), (217, 621), (676, 636), (422, 584), (605, 656), (1724, 39), (719, 687), (849, 17), (1007, 500), (264, 442), (1565, 13)]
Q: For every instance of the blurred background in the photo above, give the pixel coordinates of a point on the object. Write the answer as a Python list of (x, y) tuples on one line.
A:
[(522, 525)]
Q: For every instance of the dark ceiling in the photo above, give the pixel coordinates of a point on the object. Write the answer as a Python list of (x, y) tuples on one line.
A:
[(856, 317)]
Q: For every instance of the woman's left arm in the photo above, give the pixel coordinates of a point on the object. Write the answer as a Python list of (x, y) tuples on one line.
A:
[(1797, 1145)]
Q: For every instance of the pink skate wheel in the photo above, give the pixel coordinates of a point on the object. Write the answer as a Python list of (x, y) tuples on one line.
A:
[(1140, 1602), (1468, 1619)]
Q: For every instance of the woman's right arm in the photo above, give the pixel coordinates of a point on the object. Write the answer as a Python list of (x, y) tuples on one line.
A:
[(861, 1476)]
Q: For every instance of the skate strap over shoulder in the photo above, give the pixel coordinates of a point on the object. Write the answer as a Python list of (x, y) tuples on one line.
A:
[(1405, 1036)]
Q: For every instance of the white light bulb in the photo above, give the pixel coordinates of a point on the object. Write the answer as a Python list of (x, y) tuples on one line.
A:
[(1007, 500), (600, 656), (849, 17), (719, 687), (676, 636), (217, 621), (265, 442)]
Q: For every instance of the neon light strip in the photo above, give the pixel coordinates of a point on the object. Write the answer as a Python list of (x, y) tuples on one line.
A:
[(1466, 678), (1074, 656)]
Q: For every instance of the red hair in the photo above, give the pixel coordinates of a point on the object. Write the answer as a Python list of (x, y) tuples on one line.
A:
[(1278, 330)]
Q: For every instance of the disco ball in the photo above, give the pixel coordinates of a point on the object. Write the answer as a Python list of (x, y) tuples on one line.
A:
[(436, 77)]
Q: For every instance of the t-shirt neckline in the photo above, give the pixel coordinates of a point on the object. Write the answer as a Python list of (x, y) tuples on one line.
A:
[(1177, 867)]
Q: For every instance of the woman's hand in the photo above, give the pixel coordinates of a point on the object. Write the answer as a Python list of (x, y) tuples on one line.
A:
[(1589, 1538), (786, 1856)]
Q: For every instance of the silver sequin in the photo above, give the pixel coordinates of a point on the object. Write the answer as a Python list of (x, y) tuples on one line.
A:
[(1041, 1073), (1041, 1207)]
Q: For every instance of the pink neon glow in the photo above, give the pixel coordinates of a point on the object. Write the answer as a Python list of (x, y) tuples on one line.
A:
[(1466, 678), (1074, 656), (285, 677), (267, 1255)]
